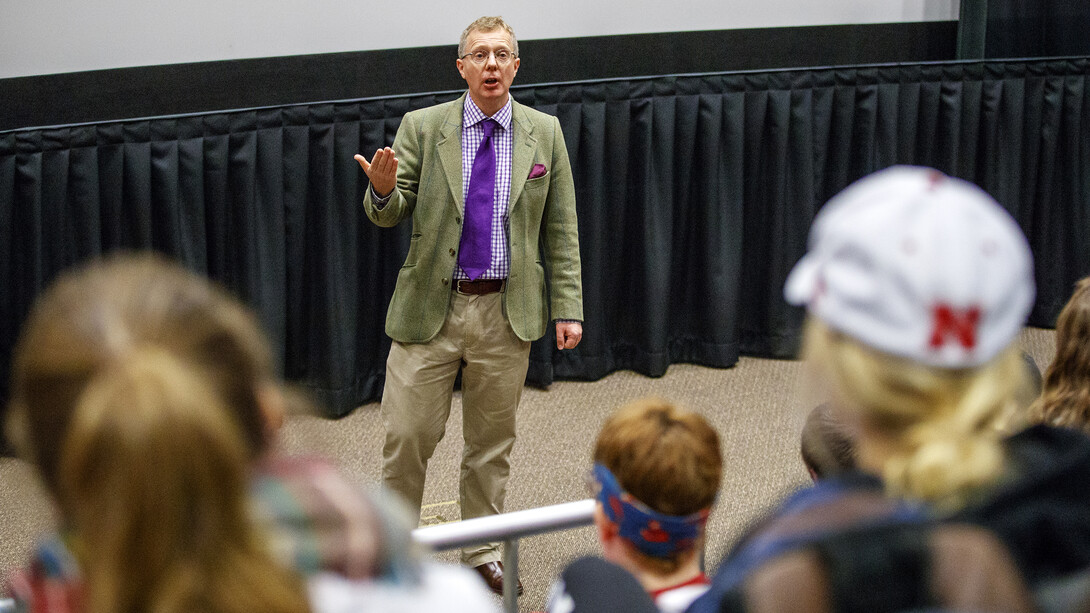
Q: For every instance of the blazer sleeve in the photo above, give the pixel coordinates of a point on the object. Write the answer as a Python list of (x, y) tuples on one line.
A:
[(407, 149), (560, 236)]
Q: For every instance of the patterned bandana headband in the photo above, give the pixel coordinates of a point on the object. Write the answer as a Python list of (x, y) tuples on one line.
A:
[(656, 534)]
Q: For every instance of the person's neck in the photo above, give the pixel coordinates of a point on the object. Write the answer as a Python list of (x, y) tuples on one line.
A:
[(653, 582), (488, 111)]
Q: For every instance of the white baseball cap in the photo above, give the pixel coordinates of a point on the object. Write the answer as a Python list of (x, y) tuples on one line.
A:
[(915, 263)]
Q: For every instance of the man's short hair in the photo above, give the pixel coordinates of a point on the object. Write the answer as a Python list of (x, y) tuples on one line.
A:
[(828, 442), (666, 457), (487, 24)]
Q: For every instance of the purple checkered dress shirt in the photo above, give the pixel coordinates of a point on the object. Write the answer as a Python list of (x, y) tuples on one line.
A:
[(472, 135)]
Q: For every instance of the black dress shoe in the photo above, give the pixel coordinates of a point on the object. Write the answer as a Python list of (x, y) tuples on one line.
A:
[(492, 573)]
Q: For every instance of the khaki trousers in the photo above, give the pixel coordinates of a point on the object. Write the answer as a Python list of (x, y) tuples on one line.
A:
[(416, 404)]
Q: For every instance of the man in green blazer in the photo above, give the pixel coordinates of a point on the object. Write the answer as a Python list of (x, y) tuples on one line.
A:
[(488, 185)]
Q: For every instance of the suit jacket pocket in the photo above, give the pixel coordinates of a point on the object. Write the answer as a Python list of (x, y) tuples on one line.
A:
[(536, 182), (414, 250)]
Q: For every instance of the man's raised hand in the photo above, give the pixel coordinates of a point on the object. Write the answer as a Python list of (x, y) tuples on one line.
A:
[(381, 170)]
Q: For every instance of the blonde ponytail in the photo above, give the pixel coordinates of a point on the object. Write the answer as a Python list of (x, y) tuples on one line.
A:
[(945, 425), (152, 480)]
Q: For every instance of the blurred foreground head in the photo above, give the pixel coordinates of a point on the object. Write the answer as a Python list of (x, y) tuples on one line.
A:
[(917, 285), (118, 312), (137, 391)]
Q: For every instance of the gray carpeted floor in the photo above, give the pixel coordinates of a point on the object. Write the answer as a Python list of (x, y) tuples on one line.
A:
[(756, 407)]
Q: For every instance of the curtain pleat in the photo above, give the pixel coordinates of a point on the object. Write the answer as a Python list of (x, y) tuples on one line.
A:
[(695, 196)]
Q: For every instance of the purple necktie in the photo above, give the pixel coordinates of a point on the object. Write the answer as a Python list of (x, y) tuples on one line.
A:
[(475, 250)]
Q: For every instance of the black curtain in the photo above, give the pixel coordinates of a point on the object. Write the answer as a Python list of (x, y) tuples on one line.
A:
[(695, 195), (1023, 28)]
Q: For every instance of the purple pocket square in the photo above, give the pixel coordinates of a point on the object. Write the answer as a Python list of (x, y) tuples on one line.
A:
[(537, 171)]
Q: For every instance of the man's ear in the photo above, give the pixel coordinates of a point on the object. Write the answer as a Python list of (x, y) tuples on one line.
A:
[(614, 548), (607, 530), (270, 401)]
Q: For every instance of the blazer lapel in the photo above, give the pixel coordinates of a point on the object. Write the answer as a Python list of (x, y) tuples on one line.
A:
[(449, 149), (523, 145)]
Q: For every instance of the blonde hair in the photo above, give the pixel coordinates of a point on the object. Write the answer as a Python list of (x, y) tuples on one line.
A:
[(93, 316), (487, 24), (1065, 390), (134, 391), (945, 424), (667, 457)]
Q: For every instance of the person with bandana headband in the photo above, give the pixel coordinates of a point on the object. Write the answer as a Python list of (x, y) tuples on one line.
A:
[(657, 470)]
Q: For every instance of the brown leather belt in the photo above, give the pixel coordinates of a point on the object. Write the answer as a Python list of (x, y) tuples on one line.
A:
[(480, 286)]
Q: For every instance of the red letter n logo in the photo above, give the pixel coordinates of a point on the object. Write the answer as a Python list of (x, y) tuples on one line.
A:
[(960, 324)]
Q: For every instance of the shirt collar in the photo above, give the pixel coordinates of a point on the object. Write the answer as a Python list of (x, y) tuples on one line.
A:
[(472, 114)]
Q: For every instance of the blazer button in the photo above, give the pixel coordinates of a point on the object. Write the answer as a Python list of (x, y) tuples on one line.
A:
[(445, 281), (458, 220), (452, 253)]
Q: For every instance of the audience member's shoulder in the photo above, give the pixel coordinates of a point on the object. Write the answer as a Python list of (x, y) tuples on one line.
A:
[(1044, 484), (833, 503), (593, 585), (1045, 466), (318, 520), (1049, 448), (866, 568), (811, 514), (441, 587)]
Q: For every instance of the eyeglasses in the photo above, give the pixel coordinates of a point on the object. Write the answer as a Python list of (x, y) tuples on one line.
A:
[(480, 56)]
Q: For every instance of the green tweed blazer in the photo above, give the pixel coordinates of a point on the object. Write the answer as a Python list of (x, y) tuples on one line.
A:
[(542, 234)]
